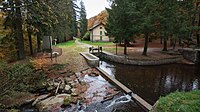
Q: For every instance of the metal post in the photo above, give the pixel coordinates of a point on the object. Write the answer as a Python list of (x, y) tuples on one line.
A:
[(116, 48)]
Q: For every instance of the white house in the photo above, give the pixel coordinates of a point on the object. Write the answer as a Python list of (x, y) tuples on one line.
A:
[(98, 33)]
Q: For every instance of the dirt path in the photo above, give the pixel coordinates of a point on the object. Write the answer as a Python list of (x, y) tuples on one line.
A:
[(71, 57)]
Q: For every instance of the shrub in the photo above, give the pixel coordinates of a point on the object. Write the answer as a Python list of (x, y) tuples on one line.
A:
[(20, 77), (179, 102), (86, 36)]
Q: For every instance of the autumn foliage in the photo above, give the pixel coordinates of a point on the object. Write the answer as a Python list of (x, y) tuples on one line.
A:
[(101, 17)]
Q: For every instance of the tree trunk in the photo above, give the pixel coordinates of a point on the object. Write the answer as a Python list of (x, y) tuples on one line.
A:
[(125, 46), (161, 39), (30, 42), (19, 32), (165, 43), (38, 42), (198, 39), (171, 40), (116, 48), (174, 44), (180, 41), (146, 44)]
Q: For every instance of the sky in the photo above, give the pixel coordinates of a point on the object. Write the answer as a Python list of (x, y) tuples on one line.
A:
[(94, 7)]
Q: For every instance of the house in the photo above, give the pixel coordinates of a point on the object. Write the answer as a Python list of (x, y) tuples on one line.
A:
[(98, 33)]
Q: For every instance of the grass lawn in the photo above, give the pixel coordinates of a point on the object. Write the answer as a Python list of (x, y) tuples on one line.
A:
[(97, 43), (179, 102), (66, 44)]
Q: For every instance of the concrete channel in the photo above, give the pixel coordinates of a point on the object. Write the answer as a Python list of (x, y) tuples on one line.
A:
[(146, 106), (93, 61)]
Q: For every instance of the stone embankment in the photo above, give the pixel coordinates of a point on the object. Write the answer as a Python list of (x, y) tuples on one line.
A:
[(191, 54), (126, 60)]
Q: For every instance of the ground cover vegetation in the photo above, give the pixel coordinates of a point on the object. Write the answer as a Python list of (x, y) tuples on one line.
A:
[(179, 101)]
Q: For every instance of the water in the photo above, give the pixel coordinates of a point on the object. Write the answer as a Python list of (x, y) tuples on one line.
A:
[(151, 82)]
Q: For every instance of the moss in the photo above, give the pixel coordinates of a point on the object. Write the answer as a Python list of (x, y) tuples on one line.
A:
[(179, 102)]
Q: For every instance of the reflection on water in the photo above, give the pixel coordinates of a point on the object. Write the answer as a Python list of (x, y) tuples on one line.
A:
[(151, 82)]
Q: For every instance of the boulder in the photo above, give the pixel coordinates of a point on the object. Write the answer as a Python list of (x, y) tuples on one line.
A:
[(53, 101), (41, 97)]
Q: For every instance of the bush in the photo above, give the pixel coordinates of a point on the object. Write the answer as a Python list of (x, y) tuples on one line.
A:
[(86, 36), (20, 77), (179, 102)]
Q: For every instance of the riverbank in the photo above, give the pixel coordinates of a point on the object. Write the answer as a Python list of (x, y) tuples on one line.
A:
[(68, 84)]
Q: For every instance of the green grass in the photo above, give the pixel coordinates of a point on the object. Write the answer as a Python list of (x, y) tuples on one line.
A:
[(97, 43), (179, 102), (67, 44)]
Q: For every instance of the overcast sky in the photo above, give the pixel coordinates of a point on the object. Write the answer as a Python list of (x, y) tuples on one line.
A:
[(94, 7)]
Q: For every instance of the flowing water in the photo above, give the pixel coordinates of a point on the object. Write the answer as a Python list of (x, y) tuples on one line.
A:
[(151, 82)]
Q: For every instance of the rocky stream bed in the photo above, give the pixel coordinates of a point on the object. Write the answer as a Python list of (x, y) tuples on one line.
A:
[(85, 91)]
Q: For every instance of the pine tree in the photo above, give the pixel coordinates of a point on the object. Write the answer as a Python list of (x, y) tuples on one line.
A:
[(119, 23), (83, 19)]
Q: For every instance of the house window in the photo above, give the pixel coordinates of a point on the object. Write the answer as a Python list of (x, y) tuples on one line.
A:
[(100, 35), (100, 27)]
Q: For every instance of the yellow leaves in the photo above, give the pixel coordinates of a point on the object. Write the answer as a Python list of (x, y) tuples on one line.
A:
[(40, 63), (101, 17)]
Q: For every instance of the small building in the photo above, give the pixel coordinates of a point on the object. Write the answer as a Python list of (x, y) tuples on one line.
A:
[(98, 33)]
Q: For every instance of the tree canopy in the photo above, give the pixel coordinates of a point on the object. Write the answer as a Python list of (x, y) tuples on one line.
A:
[(128, 18)]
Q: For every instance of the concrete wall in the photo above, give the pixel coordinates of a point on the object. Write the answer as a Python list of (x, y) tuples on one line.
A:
[(125, 60), (95, 34), (191, 54)]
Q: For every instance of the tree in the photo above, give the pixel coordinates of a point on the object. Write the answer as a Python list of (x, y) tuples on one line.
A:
[(14, 20), (83, 19), (119, 24), (40, 17), (144, 19), (174, 19)]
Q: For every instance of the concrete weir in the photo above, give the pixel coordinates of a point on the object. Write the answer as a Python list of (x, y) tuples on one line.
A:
[(146, 106), (91, 59)]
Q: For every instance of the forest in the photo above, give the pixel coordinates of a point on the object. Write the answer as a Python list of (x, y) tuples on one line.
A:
[(177, 20), (24, 23)]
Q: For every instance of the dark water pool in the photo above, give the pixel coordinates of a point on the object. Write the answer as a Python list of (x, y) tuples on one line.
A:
[(151, 82)]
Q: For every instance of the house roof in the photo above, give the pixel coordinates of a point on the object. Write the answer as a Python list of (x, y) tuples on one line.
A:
[(96, 25)]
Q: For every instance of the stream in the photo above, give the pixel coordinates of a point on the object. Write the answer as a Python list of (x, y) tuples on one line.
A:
[(151, 82)]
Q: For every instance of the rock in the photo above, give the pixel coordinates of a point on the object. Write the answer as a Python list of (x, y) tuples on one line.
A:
[(70, 82), (73, 90), (56, 84), (49, 103), (74, 94), (67, 80), (62, 86), (84, 72), (67, 87), (50, 83), (68, 92), (39, 98), (74, 100), (93, 74), (50, 88), (78, 74), (67, 100)]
